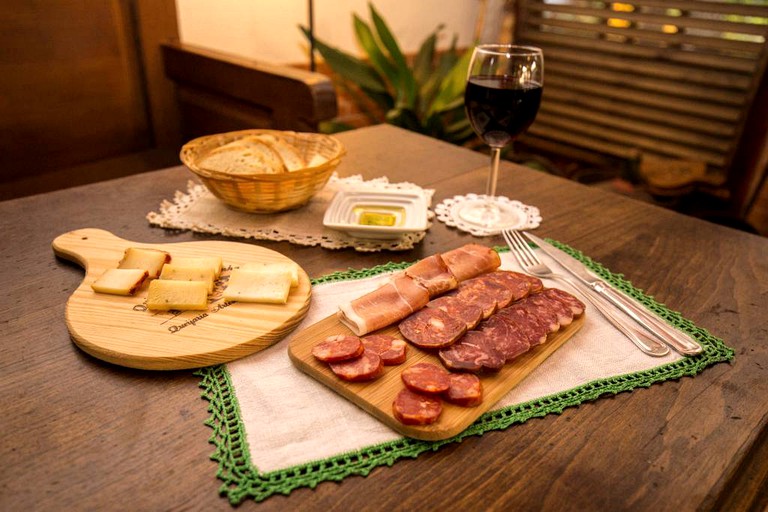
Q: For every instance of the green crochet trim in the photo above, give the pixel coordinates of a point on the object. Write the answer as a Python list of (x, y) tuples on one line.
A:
[(241, 480)]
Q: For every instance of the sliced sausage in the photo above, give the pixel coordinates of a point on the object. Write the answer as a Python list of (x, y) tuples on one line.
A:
[(338, 348), (472, 353), (391, 350), (560, 309), (507, 338), (465, 390), (426, 378), (535, 332), (366, 367), (432, 328), (519, 285), (415, 409), (476, 294), (577, 307), (459, 308)]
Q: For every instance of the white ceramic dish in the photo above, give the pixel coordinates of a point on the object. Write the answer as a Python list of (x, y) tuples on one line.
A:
[(376, 213)]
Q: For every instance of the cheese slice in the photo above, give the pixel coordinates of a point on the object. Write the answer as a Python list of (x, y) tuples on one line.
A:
[(288, 266), (266, 286), (213, 262), (120, 281), (168, 294), (151, 260), (176, 272)]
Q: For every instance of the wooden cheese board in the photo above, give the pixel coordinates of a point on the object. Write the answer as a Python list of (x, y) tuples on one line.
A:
[(376, 397), (121, 330)]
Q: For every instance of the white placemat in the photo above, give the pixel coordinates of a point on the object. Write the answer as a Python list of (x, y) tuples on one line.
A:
[(291, 419)]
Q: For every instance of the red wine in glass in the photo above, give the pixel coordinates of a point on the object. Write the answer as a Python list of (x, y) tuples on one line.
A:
[(501, 108), (502, 97)]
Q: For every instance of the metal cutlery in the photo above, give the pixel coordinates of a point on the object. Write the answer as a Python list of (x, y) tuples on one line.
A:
[(531, 264), (676, 339)]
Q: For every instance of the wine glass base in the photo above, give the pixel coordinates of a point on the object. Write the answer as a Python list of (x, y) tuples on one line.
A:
[(470, 213)]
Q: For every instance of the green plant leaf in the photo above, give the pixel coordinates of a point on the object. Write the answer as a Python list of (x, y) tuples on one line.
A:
[(406, 83), (369, 44), (452, 86), (422, 63), (349, 67)]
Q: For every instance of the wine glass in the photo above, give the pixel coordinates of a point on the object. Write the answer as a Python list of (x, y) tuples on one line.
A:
[(502, 97)]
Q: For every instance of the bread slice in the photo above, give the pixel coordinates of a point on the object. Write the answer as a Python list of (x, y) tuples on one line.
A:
[(289, 154), (244, 157)]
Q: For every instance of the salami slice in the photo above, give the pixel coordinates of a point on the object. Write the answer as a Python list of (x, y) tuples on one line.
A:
[(560, 309), (459, 308), (391, 350), (465, 390), (414, 409), (432, 328), (518, 284), (472, 353), (338, 348), (477, 295), (543, 311), (507, 338), (532, 330), (426, 378), (577, 307), (366, 367), (535, 282), (491, 286)]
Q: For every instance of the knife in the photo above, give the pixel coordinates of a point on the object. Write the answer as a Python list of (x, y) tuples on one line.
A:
[(672, 337)]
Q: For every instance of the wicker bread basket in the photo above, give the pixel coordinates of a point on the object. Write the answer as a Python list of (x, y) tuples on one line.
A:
[(267, 193)]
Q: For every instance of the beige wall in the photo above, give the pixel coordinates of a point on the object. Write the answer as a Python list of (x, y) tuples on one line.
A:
[(267, 30)]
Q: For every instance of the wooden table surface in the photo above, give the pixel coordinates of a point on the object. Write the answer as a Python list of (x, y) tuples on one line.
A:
[(80, 434)]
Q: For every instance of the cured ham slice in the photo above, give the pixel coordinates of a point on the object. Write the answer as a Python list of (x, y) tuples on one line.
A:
[(386, 305), (471, 260), (433, 274)]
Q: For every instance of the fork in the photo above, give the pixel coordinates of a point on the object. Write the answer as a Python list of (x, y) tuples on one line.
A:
[(531, 264)]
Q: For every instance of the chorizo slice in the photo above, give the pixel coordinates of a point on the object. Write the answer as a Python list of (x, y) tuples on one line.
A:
[(542, 311), (432, 328), (340, 347), (459, 308), (391, 350), (368, 366), (577, 307), (518, 284), (497, 290), (561, 310), (477, 295), (465, 390), (415, 409), (426, 378), (507, 338), (532, 330), (472, 353)]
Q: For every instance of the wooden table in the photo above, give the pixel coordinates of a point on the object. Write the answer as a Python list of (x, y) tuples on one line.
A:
[(79, 434)]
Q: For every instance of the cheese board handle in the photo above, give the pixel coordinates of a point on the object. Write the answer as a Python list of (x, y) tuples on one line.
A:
[(80, 245)]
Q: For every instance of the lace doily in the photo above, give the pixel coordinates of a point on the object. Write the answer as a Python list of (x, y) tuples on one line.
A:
[(198, 210), (528, 216)]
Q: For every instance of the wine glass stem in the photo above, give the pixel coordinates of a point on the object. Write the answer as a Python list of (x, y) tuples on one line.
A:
[(490, 188)]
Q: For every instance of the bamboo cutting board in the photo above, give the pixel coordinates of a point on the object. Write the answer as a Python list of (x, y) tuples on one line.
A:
[(376, 397), (121, 330)]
